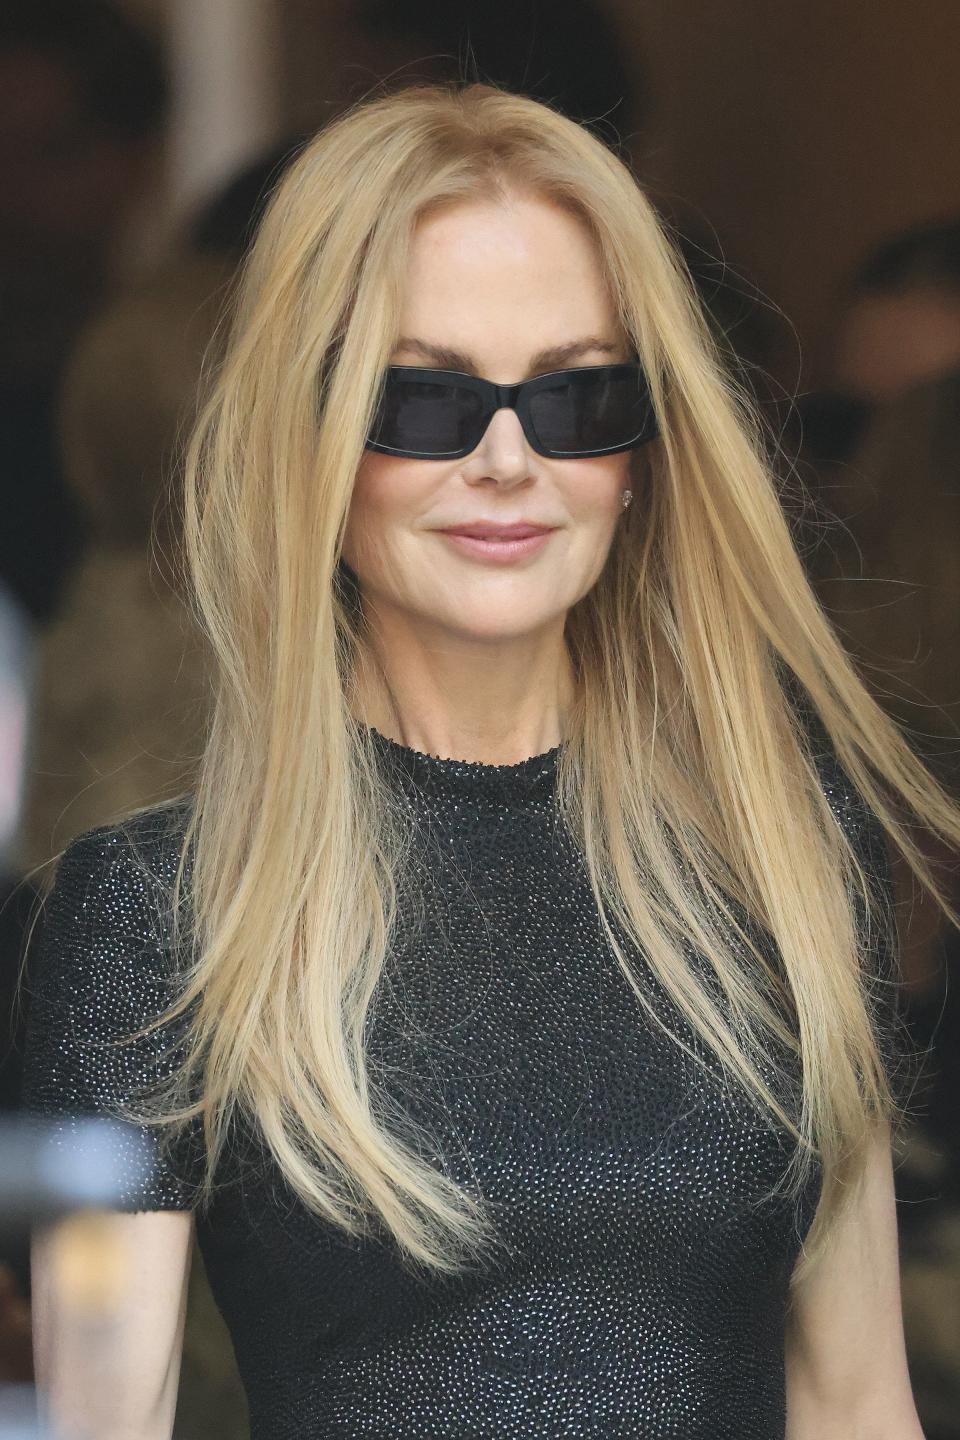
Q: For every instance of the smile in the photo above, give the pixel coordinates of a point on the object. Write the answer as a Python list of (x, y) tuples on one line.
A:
[(499, 550)]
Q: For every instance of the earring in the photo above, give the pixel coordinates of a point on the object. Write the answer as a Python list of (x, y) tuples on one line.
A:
[(627, 497)]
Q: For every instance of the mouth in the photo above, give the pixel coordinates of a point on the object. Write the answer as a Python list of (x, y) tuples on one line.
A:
[(486, 531), (498, 546)]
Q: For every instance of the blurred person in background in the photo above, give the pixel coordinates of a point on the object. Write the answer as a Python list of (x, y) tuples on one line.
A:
[(897, 326), (896, 564), (83, 96), (901, 325), (118, 705), (227, 222), (883, 436), (565, 52), (568, 53), (892, 587), (890, 579)]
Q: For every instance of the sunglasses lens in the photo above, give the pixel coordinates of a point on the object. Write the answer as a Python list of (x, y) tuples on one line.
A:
[(428, 417), (589, 412)]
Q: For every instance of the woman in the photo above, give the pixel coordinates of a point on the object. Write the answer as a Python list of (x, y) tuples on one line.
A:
[(516, 979)]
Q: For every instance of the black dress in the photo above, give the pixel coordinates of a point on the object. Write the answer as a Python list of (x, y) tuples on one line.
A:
[(646, 1290)]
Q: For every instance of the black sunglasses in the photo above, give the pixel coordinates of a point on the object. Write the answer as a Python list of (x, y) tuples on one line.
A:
[(442, 414)]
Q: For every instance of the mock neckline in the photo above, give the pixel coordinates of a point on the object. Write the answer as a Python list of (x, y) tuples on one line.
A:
[(443, 778)]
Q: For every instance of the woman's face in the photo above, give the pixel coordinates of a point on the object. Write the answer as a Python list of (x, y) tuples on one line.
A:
[(516, 289)]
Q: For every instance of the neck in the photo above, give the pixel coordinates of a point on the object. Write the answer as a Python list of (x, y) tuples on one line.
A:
[(492, 707)]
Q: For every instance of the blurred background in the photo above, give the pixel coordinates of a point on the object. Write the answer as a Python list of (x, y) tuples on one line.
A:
[(805, 159)]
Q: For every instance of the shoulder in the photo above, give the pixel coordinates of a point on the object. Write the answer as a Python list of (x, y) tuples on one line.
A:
[(136, 857), (101, 959), (110, 897), (154, 830), (100, 979)]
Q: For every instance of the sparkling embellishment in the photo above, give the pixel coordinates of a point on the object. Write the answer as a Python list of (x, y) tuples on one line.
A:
[(646, 1291)]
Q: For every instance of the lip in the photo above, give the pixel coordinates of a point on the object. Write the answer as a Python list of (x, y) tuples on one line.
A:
[(498, 551), (492, 530)]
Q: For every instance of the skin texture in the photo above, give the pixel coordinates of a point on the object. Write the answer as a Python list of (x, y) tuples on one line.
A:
[(472, 653), (114, 1376), (845, 1357)]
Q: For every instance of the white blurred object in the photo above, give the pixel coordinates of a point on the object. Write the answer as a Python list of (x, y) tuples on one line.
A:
[(18, 1415), (225, 111)]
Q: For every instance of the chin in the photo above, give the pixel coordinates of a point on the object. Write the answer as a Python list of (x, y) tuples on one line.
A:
[(500, 629)]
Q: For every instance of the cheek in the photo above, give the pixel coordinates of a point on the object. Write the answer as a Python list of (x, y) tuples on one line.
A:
[(594, 489), (593, 494), (387, 496), (377, 492)]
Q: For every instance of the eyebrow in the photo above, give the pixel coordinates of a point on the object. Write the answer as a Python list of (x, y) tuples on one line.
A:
[(545, 360)]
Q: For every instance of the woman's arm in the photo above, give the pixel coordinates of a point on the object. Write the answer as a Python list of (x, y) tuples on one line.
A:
[(846, 1362), (114, 1377)]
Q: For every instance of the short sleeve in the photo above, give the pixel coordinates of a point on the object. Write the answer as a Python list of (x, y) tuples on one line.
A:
[(100, 970)]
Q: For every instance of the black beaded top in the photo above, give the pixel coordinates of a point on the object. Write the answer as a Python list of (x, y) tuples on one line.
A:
[(647, 1282)]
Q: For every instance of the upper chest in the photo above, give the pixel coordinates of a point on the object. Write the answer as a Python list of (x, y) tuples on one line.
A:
[(506, 1032)]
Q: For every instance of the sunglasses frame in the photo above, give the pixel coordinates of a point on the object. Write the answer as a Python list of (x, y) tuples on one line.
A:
[(514, 397)]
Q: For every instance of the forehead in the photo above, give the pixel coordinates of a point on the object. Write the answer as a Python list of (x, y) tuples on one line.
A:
[(524, 260)]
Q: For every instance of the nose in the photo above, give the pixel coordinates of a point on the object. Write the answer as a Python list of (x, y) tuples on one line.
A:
[(503, 448)]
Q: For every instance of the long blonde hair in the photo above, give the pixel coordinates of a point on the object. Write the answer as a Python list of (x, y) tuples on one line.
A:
[(687, 778)]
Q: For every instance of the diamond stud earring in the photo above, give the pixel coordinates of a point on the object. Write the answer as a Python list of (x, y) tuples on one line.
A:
[(627, 497)]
